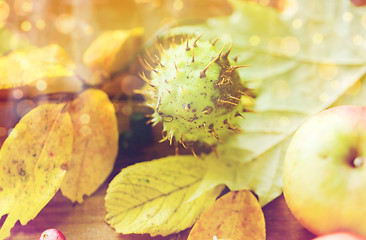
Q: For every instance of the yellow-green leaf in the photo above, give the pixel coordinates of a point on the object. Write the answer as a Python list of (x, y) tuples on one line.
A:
[(110, 51), (152, 197), (236, 215), (34, 65), (95, 144), (33, 161)]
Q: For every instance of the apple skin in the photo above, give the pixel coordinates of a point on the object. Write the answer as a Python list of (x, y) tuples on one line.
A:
[(339, 236), (324, 176)]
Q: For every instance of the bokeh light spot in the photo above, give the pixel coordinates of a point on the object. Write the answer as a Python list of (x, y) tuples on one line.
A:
[(328, 71), (40, 24), (347, 16), (254, 40), (357, 40), (297, 23), (41, 85), (26, 26), (178, 5), (12, 133), (84, 118), (318, 38), (65, 23), (85, 131), (17, 93)]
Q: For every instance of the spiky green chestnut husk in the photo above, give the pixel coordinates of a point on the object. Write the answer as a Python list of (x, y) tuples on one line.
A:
[(195, 92)]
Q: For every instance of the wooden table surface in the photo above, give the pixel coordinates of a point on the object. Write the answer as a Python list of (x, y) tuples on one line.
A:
[(86, 220)]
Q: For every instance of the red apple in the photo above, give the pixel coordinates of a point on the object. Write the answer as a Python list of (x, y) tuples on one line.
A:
[(52, 234), (359, 3), (339, 236), (324, 177)]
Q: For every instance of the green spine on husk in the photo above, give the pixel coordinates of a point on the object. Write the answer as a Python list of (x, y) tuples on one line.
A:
[(195, 91)]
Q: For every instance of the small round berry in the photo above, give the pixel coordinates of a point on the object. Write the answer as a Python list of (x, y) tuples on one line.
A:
[(52, 234)]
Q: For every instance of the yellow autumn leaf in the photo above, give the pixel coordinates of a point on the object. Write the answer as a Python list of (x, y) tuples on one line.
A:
[(235, 216), (110, 51), (95, 144), (152, 197), (33, 161), (34, 66)]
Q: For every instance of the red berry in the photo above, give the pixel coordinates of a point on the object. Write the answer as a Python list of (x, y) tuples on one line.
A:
[(52, 234)]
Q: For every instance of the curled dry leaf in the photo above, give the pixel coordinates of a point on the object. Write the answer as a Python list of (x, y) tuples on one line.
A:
[(152, 197), (33, 162), (95, 144), (111, 51), (234, 216)]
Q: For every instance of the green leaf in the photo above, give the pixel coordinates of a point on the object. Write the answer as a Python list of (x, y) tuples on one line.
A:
[(152, 197), (33, 161), (296, 71)]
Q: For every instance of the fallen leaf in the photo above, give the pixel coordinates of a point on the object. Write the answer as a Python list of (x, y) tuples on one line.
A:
[(234, 216), (110, 52), (151, 197), (33, 161), (293, 76), (95, 144), (35, 66)]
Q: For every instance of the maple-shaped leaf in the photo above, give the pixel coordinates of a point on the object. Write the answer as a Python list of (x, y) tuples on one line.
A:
[(110, 52), (95, 144), (236, 215), (37, 67), (33, 161), (152, 197)]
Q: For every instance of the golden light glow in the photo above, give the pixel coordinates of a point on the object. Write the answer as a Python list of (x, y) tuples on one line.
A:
[(17, 94), (357, 39), (41, 85), (254, 40), (347, 16), (40, 24), (26, 26), (297, 23), (291, 7), (22, 7), (85, 118), (318, 38), (290, 45), (85, 131), (4, 12), (363, 19), (178, 5), (65, 23), (328, 71)]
